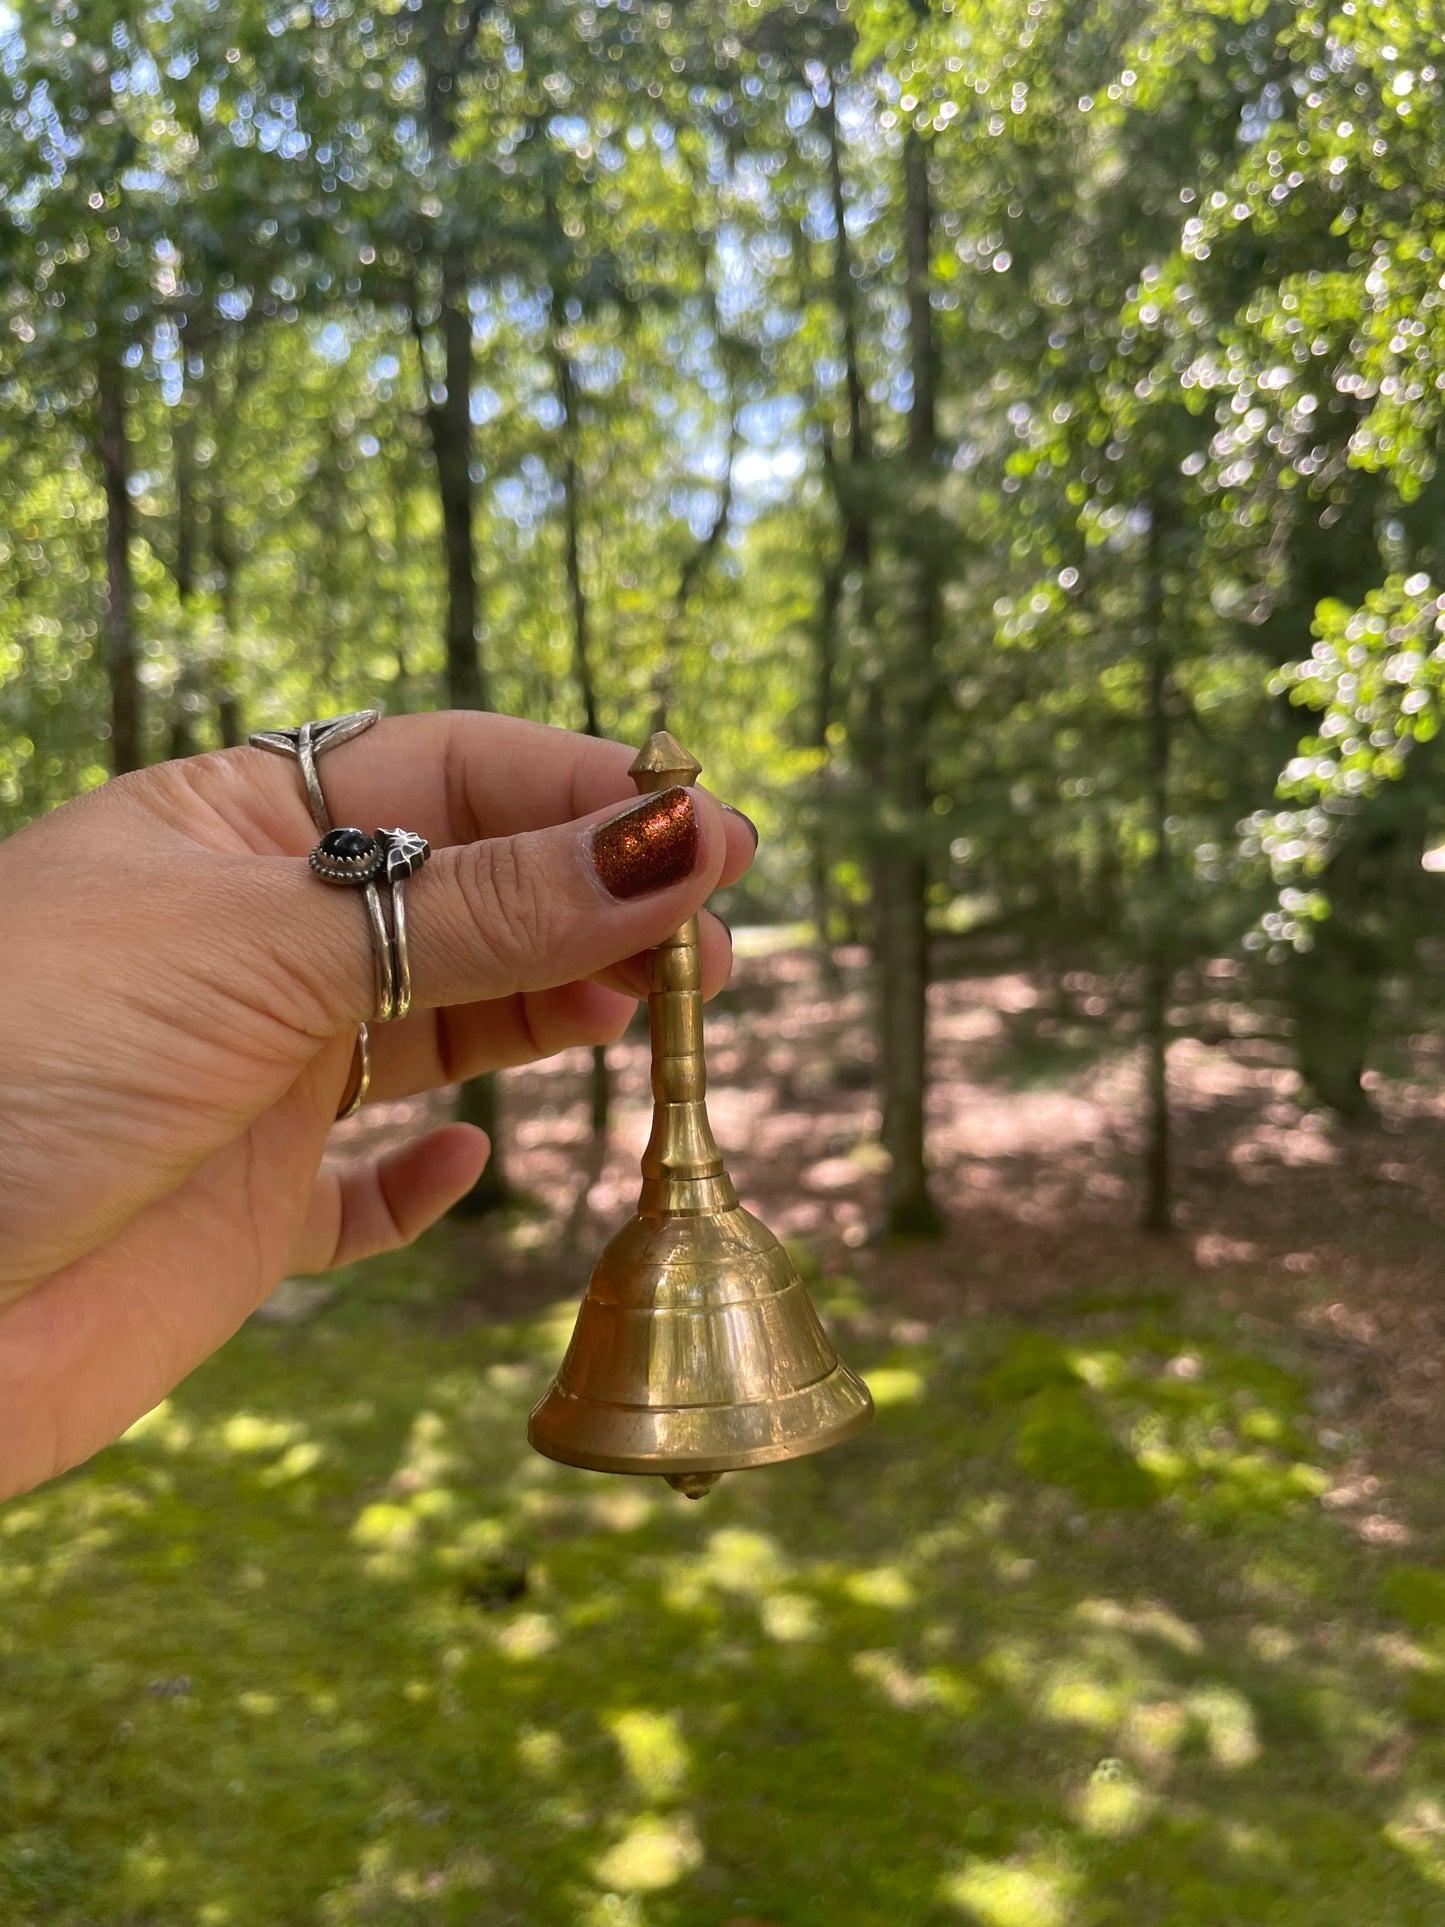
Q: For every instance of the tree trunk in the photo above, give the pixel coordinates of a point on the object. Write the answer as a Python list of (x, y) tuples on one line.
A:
[(1335, 992), (600, 1095), (229, 720), (328, 493), (126, 750), (1336, 984), (479, 1101), (902, 919), (1157, 1213), (845, 292), (854, 606), (820, 841), (399, 611), (450, 420), (224, 560), (189, 676)]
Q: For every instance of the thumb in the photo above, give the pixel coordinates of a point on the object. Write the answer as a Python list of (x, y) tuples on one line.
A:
[(526, 912)]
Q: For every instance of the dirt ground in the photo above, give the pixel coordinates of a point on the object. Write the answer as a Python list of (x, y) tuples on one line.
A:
[(1326, 1237)]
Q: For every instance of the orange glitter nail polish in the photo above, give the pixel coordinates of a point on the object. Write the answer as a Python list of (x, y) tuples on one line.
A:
[(647, 847)]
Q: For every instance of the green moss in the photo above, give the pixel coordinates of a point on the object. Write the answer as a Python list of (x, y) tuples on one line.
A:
[(1415, 1594), (323, 1645), (1033, 1362), (1063, 1442), (1425, 1699)]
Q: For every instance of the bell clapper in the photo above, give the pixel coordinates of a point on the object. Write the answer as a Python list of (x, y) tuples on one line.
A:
[(697, 1350), (692, 1485)]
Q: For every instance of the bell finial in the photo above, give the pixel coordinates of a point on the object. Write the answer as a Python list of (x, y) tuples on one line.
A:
[(661, 762), (697, 1350)]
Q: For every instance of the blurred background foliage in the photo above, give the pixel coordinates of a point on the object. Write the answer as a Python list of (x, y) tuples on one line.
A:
[(1003, 439)]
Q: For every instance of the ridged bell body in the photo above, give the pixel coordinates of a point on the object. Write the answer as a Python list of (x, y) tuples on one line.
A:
[(697, 1350)]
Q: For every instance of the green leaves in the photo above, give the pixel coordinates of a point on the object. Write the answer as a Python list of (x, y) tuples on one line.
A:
[(1376, 673)]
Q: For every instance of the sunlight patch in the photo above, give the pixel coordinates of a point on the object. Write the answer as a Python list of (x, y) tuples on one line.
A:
[(1151, 1619), (382, 1881), (542, 1752), (896, 1385), (790, 1617), (743, 1562), (621, 1508), (248, 1433), (908, 1690), (1077, 1696), (430, 1456), (1418, 1829), (159, 1426), (294, 1463), (1154, 1732), (1228, 1721), (386, 1526), (1112, 1803), (653, 1749), (656, 1852), (999, 1895), (529, 1636), (887, 1586)]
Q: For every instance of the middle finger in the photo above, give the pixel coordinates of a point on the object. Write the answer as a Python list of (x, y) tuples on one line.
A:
[(435, 1048)]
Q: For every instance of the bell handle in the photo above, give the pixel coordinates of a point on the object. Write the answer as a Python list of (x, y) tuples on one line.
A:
[(682, 1144)]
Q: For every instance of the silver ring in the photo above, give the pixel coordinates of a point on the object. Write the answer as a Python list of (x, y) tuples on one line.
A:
[(351, 857), (306, 742), (354, 1096), (406, 852)]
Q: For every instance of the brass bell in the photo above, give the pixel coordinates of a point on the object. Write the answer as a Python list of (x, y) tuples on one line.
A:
[(697, 1350)]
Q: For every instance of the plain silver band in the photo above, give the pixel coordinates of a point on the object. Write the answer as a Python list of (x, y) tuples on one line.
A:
[(401, 988), (362, 1060), (381, 950)]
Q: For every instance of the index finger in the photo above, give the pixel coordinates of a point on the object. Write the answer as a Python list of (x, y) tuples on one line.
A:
[(454, 776)]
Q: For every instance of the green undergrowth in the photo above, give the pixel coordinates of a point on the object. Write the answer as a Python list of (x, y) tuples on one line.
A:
[(1067, 1639)]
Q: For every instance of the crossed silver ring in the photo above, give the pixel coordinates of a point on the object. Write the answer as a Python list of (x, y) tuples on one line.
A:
[(361, 860)]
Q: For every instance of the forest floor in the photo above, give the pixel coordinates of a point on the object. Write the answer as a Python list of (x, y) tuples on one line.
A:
[(1129, 1610), (1302, 1229)]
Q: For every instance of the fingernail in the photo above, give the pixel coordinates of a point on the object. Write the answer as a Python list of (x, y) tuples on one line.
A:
[(653, 844), (746, 821)]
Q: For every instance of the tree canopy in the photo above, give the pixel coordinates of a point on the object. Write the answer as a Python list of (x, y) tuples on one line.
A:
[(1004, 440)]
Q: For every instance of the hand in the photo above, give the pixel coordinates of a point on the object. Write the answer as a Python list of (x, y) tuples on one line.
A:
[(180, 1012)]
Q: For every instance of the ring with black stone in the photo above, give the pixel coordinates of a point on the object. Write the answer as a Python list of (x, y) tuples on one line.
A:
[(351, 857)]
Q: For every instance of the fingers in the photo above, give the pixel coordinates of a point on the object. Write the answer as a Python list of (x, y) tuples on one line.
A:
[(471, 774), (446, 1046), (442, 1047), (380, 1204), (105, 1338), (88, 1351), (489, 920), (454, 776)]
